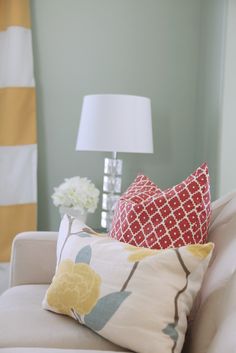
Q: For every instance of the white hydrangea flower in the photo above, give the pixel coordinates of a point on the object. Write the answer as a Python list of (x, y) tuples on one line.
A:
[(78, 193)]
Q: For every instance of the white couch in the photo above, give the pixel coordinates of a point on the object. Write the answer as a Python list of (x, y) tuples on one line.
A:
[(26, 327)]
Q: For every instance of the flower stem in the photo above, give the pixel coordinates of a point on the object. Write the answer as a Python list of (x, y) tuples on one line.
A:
[(130, 276), (68, 234)]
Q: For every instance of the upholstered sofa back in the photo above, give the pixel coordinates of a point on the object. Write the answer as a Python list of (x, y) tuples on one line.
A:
[(214, 315)]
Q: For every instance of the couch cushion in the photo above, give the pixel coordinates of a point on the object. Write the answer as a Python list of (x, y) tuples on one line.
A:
[(222, 232), (213, 330), (149, 217), (23, 323)]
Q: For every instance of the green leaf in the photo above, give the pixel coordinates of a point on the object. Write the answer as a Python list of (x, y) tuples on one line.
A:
[(171, 331), (104, 310), (84, 255)]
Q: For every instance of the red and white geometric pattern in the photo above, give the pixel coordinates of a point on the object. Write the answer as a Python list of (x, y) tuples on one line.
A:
[(149, 217)]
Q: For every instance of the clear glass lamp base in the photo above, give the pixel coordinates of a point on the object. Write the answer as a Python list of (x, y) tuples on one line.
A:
[(111, 189)]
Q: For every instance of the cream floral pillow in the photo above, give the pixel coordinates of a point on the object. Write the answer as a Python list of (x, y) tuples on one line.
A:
[(135, 297)]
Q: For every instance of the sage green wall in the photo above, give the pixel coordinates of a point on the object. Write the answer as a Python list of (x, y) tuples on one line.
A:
[(227, 168), (210, 87), (141, 47)]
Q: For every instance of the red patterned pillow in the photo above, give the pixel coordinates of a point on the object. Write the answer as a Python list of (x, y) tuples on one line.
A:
[(149, 217)]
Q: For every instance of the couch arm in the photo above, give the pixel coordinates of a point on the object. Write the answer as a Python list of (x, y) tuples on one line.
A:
[(33, 258)]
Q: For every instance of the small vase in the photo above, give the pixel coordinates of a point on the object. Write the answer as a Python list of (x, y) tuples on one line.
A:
[(74, 213)]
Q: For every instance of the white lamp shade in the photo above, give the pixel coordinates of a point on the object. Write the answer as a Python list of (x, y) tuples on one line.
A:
[(116, 123)]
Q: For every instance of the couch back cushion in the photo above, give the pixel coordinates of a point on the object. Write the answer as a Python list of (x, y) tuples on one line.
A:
[(215, 304)]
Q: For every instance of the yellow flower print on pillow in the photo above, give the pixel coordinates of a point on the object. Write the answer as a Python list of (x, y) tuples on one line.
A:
[(200, 250), (139, 254), (75, 287)]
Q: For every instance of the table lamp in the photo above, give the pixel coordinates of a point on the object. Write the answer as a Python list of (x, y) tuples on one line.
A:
[(114, 123)]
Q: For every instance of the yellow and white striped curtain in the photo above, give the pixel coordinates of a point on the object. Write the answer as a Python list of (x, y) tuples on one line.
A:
[(18, 149)]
